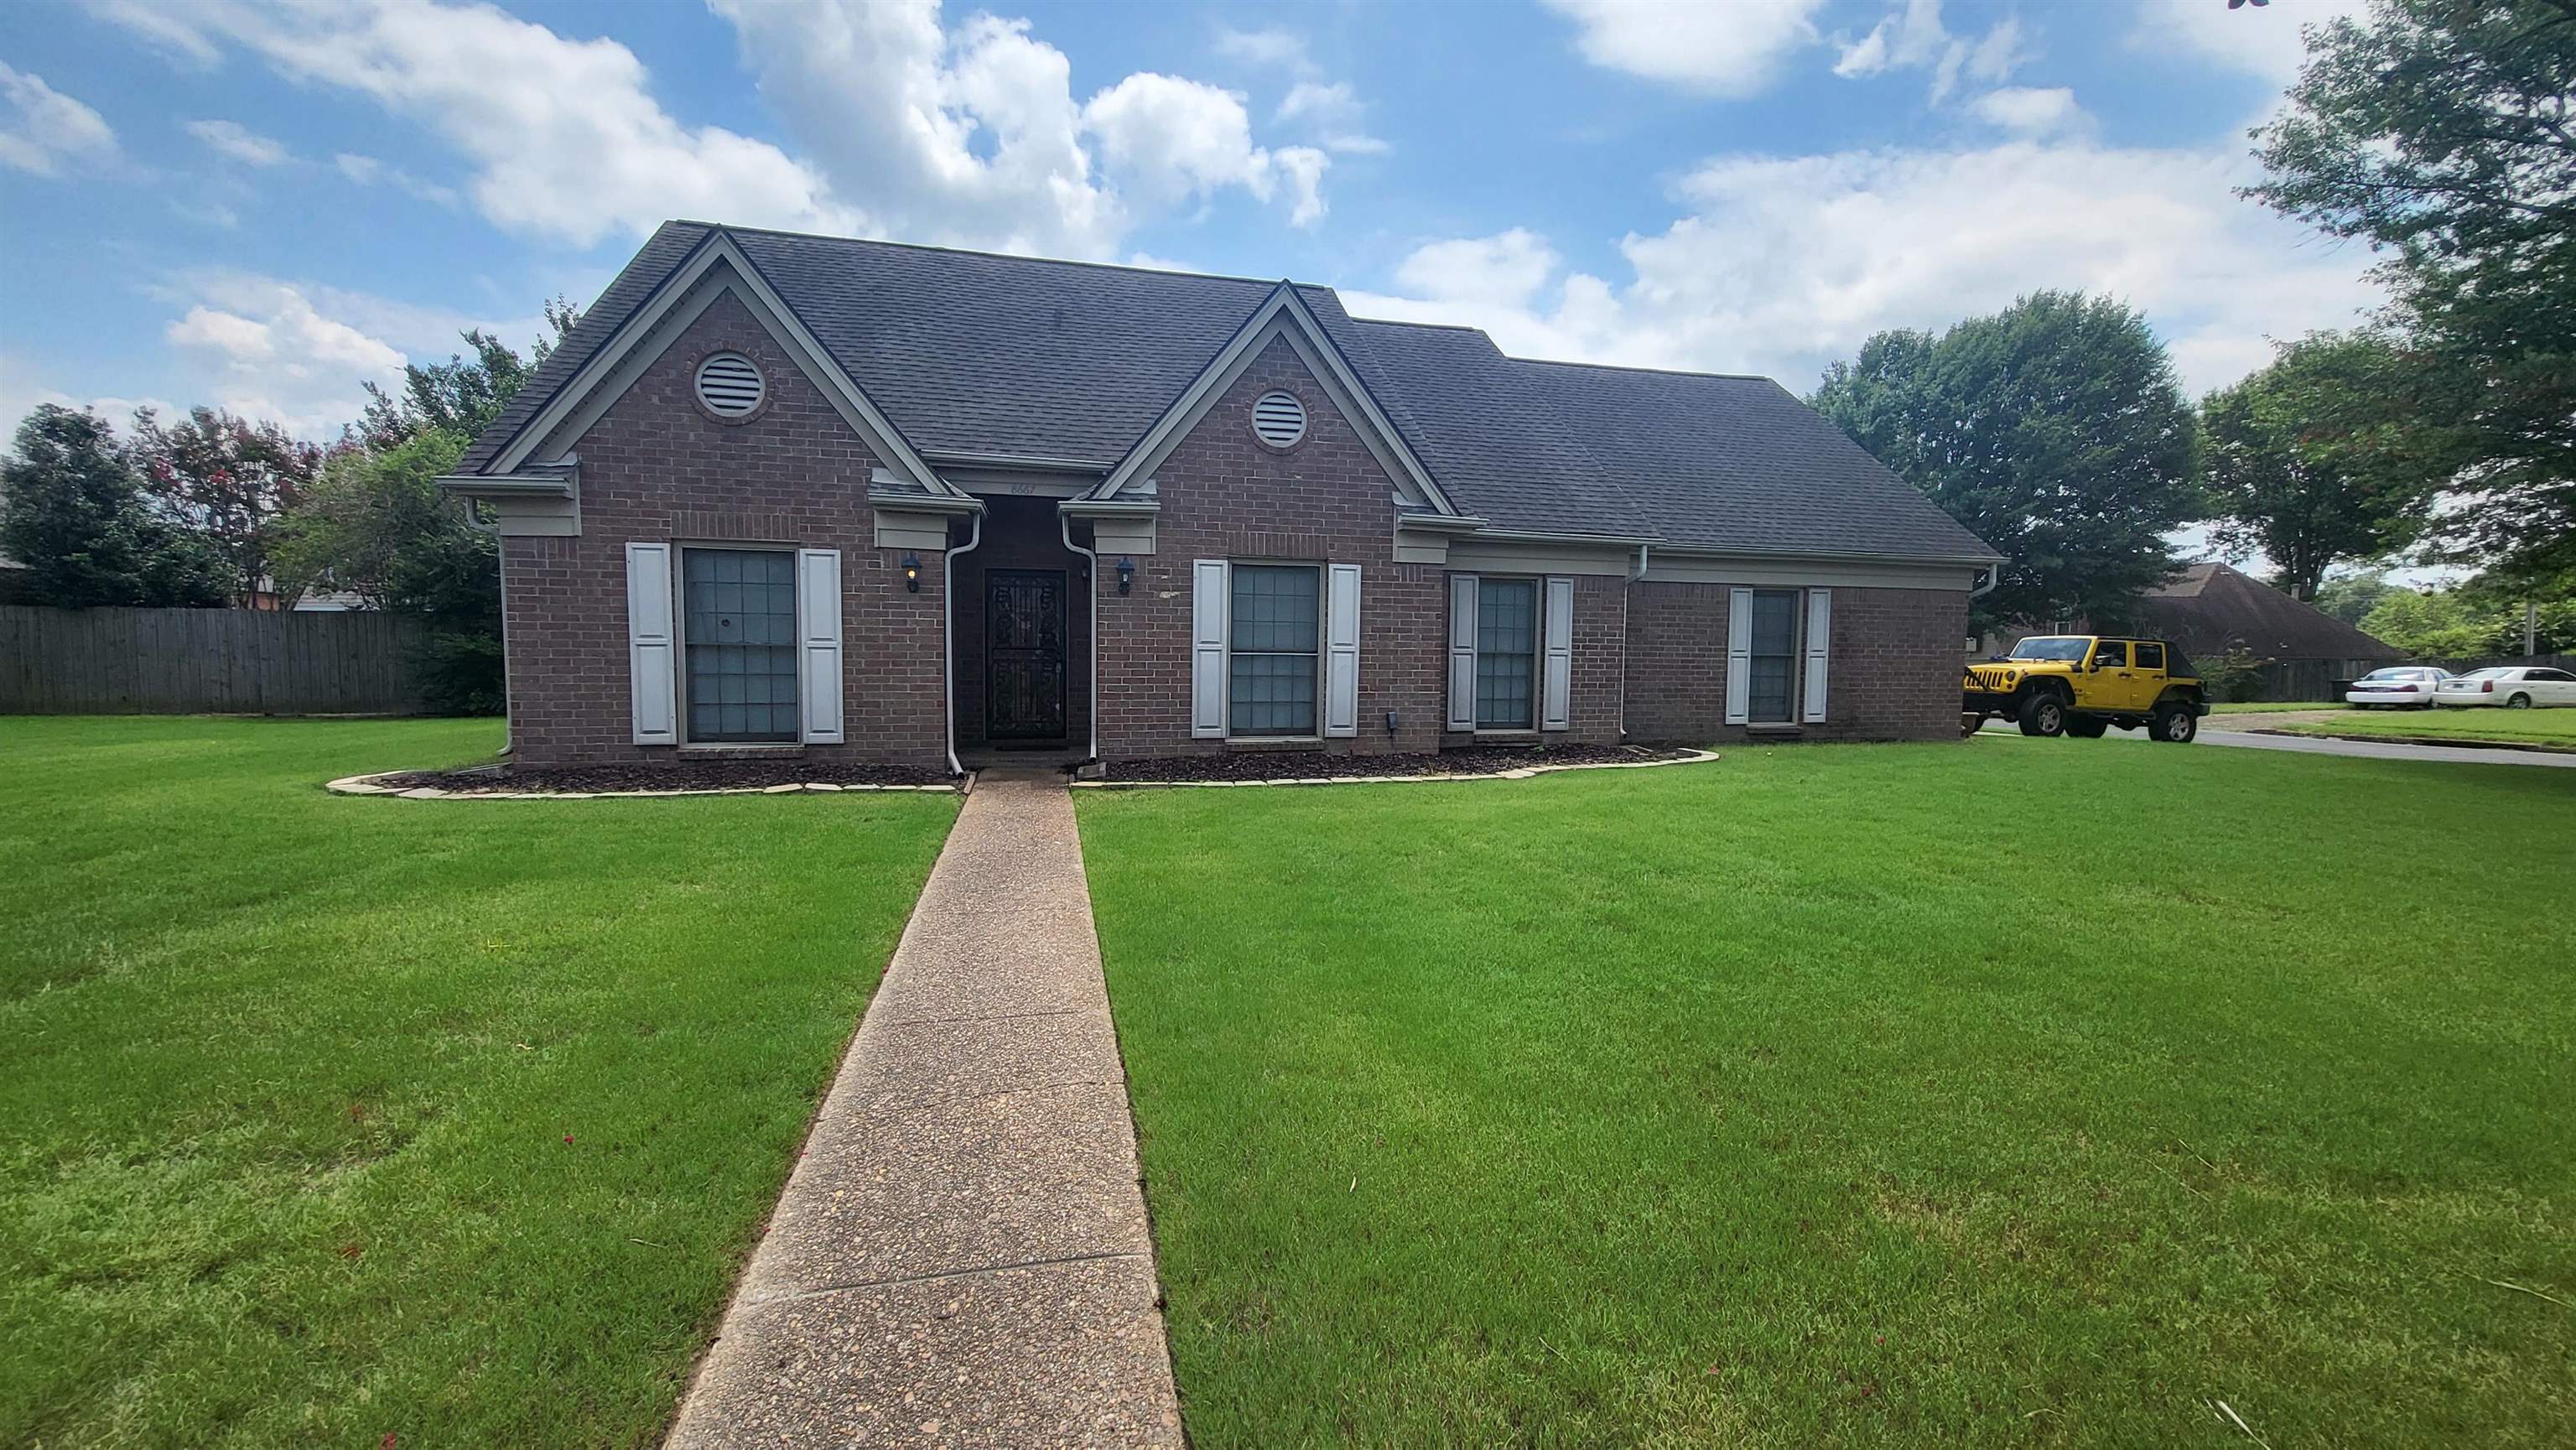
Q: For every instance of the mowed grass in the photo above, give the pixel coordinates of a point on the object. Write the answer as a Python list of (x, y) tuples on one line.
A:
[(2554, 726), (1970, 1094), (335, 1121)]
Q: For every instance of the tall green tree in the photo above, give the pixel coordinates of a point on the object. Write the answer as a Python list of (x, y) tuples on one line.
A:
[(462, 395), (230, 480), (2440, 131), (2321, 458), (376, 523), (2053, 430), (74, 512), (2349, 597)]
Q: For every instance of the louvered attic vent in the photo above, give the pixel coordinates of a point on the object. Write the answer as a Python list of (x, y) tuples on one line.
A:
[(729, 385), (1278, 419)]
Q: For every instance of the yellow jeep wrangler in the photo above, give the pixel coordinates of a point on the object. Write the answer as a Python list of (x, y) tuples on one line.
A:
[(2083, 684)]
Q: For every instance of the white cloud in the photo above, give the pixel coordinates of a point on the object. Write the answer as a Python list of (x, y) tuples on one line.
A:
[(973, 135), (567, 140), (368, 171), (1730, 50), (1271, 46), (279, 357), (41, 128), (2264, 42), (1780, 266), (239, 143), (1334, 114), (21, 393), (1914, 38), (2030, 111)]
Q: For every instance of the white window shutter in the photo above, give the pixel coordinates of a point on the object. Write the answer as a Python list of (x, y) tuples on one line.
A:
[(1739, 655), (1209, 583), (1820, 636), (1342, 652), (818, 627), (1558, 666), (1462, 651), (656, 694)]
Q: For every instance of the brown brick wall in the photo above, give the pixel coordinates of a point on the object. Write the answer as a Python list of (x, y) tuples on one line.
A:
[(655, 468), (1892, 668), (1226, 495)]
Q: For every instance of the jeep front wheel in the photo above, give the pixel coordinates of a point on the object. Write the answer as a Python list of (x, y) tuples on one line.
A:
[(2043, 714), (2176, 723)]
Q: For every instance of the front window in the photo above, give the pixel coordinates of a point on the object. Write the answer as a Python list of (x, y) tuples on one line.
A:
[(1271, 650), (2049, 647), (1775, 656), (1506, 653), (740, 621), (2111, 654)]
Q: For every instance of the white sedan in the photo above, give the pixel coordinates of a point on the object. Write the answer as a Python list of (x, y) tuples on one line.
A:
[(2408, 686), (2515, 687)]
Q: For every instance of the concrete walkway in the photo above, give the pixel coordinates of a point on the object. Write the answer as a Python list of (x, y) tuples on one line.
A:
[(961, 1258)]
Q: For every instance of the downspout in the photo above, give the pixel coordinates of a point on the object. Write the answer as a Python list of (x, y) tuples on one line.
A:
[(1994, 576), (1636, 576), (1091, 563), (948, 632)]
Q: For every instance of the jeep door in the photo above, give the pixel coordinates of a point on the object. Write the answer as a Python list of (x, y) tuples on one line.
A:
[(2147, 660), (2109, 683)]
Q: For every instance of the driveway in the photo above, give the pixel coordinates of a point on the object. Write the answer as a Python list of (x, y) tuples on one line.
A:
[(2234, 732)]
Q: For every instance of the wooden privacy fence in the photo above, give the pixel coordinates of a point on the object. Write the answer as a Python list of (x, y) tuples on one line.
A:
[(187, 661)]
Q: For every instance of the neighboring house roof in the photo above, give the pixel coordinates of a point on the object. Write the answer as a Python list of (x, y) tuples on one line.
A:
[(973, 355), (2212, 608)]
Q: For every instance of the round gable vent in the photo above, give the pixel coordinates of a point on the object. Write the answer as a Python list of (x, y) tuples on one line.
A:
[(1278, 419), (729, 385)]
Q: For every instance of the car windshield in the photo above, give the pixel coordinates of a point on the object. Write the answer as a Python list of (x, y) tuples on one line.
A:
[(2050, 647)]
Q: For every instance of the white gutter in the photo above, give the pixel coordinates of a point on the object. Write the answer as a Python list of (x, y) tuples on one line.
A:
[(1639, 573), (948, 633), (1994, 576), (1064, 523)]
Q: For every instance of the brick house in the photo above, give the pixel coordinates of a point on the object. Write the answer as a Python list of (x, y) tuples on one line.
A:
[(785, 492)]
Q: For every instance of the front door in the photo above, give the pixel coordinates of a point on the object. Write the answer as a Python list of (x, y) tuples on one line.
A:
[(1024, 654)]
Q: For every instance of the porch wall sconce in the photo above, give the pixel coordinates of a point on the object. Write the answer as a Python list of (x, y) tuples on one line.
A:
[(912, 572), (1126, 574)]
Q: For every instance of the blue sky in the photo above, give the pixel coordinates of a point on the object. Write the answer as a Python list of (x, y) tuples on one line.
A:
[(261, 203)]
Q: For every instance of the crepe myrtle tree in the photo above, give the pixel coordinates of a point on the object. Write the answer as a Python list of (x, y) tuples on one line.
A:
[(73, 512), (2054, 430), (230, 480)]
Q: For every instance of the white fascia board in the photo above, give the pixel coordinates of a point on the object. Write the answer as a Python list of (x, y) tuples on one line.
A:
[(1283, 315), (681, 290), (924, 503), (508, 485)]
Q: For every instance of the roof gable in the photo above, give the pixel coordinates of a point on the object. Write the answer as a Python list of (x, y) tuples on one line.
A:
[(2212, 608)]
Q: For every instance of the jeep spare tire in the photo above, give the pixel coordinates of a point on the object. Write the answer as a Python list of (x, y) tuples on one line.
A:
[(2176, 723), (2042, 713)]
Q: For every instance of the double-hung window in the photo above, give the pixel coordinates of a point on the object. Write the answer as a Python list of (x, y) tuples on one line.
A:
[(738, 626), (1773, 672), (1506, 653), (1273, 640)]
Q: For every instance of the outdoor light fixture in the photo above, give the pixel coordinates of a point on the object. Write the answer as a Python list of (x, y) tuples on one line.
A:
[(912, 572), (1126, 574)]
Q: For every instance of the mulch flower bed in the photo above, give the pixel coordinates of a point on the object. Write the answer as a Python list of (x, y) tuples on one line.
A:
[(1316, 765), (675, 775)]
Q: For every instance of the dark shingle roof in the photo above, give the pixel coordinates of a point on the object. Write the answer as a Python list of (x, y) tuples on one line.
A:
[(2212, 608), (975, 353)]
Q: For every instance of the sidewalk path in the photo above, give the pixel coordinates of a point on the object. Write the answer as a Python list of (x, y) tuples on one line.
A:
[(961, 1258)]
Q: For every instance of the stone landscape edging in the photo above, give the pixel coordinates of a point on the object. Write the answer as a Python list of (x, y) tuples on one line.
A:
[(1523, 772), (366, 785)]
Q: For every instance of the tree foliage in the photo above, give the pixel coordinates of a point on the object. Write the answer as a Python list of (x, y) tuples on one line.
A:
[(230, 480), (2440, 131), (74, 512), (2479, 618), (2349, 597), (2053, 430), (2322, 457), (460, 396)]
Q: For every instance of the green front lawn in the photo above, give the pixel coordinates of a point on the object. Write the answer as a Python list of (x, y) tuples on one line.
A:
[(339, 1121), (2546, 727), (1953, 1094)]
